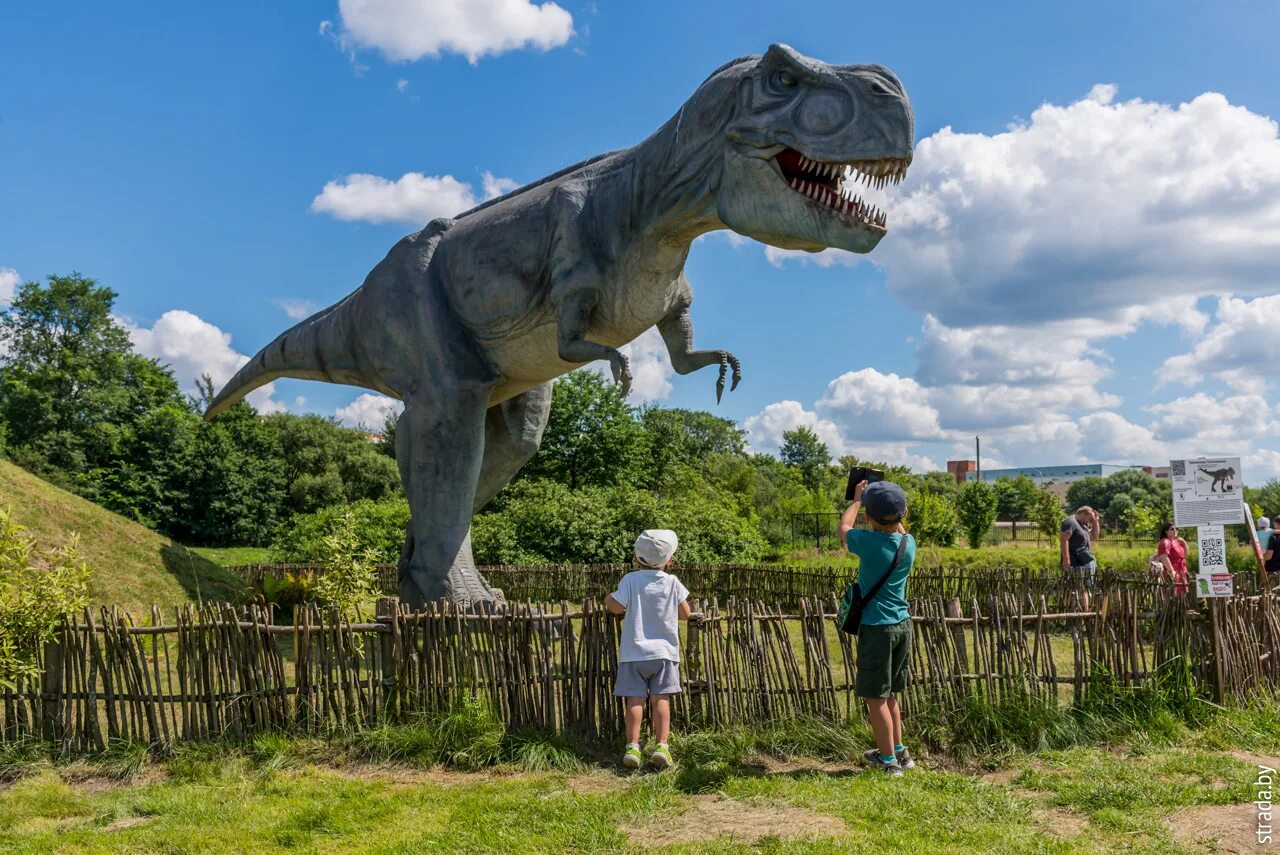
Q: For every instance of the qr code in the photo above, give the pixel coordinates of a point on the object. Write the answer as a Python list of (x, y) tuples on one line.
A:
[(1212, 553), (1178, 467)]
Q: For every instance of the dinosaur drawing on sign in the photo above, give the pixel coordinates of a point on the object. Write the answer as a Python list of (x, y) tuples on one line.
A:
[(1220, 476), (470, 320)]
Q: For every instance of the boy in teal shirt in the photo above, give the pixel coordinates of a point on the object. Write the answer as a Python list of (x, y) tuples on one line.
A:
[(884, 638)]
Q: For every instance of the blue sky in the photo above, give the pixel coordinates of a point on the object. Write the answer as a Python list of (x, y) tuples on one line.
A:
[(1081, 264)]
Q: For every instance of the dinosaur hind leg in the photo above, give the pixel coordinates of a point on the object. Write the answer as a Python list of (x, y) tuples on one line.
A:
[(512, 434), (440, 462)]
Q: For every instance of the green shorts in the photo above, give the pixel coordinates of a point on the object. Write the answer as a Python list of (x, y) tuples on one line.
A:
[(884, 659)]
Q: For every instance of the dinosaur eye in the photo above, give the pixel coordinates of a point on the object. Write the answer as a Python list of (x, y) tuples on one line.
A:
[(783, 80), (880, 89)]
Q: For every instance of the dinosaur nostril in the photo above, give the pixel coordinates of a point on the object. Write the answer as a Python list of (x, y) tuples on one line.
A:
[(824, 112)]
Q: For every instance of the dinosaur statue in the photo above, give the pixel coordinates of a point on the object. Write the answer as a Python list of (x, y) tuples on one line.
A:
[(1220, 476), (470, 320)]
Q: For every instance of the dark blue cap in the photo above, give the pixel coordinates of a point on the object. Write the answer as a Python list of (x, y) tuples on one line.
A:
[(884, 500)]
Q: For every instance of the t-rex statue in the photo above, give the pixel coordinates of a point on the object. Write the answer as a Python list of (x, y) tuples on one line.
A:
[(470, 320), (1220, 476)]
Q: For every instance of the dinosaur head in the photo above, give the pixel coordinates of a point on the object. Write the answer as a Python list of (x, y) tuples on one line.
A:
[(802, 135)]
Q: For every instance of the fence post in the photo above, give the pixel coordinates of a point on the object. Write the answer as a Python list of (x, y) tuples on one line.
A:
[(1219, 687), (386, 615), (51, 688), (954, 610)]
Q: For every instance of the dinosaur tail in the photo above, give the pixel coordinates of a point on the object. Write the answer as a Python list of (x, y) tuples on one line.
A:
[(319, 348)]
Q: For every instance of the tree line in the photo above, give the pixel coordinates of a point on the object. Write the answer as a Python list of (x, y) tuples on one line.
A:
[(81, 408)]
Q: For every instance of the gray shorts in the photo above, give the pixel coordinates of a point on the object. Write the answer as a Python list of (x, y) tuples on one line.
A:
[(642, 679), (1082, 574)]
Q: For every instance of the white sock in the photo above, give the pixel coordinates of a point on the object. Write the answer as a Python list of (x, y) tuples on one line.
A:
[(635, 745)]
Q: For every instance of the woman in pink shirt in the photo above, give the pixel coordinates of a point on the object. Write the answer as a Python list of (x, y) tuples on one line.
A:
[(1172, 553)]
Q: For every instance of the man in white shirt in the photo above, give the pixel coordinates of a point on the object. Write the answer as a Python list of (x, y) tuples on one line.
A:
[(652, 602)]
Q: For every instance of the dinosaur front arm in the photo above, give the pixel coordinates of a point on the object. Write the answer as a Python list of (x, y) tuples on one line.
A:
[(574, 321), (677, 332)]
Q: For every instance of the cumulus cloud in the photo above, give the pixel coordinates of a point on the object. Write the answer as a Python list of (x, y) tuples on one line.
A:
[(1084, 211), (408, 30), (412, 198), (192, 347), (9, 282), (297, 309), (765, 430), (874, 406), (1240, 349), (1028, 250), (369, 411)]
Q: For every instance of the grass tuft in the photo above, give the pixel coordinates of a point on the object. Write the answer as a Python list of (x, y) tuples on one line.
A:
[(21, 758)]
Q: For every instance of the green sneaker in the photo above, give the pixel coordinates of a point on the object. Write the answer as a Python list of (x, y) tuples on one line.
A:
[(632, 758), (661, 757)]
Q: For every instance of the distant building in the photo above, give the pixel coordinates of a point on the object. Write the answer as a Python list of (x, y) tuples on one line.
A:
[(1056, 478), (960, 469)]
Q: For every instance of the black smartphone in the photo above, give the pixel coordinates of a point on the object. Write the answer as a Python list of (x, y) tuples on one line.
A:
[(857, 475)]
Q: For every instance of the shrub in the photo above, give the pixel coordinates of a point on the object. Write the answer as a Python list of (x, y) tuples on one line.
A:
[(349, 573), (33, 601), (976, 506), (379, 526), (932, 518)]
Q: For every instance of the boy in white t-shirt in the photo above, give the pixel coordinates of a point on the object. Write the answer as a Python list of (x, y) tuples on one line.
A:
[(653, 602)]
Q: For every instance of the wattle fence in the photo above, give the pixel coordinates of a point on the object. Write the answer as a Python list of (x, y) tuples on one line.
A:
[(200, 673)]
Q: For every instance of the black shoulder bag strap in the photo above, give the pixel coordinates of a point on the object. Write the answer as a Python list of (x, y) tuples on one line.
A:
[(897, 556)]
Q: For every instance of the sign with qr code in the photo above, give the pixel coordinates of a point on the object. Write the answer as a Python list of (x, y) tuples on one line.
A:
[(1213, 578), (1207, 491)]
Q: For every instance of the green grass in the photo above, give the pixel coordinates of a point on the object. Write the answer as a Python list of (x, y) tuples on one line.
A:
[(131, 565), (234, 556), (245, 800)]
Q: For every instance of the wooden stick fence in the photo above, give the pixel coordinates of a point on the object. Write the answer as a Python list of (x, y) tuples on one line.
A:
[(230, 672), (780, 584)]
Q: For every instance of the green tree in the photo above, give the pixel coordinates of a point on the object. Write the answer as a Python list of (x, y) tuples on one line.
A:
[(1113, 495), (1142, 520), (932, 518), (592, 436), (1267, 496), (80, 407), (808, 455), (976, 504), (687, 438), (1046, 513), (1014, 499), (327, 464)]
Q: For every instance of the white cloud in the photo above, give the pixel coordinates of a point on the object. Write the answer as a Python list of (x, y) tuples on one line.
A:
[(495, 186), (412, 198), (1242, 347), (874, 406), (368, 410), (1084, 211), (765, 430), (193, 347), (408, 30), (402, 85), (9, 282), (297, 309)]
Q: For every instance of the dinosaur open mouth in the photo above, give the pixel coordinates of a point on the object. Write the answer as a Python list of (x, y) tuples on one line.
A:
[(825, 182)]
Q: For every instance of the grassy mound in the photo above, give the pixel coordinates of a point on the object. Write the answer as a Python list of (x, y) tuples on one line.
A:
[(130, 565)]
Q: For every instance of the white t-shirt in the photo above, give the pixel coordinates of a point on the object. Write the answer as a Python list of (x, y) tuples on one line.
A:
[(651, 624)]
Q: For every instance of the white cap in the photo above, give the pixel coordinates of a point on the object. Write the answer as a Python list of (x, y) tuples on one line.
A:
[(655, 546)]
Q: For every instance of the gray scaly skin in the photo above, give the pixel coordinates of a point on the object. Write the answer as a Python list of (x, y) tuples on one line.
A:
[(469, 320)]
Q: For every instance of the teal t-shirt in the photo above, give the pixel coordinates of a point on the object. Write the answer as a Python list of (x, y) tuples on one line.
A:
[(875, 551)]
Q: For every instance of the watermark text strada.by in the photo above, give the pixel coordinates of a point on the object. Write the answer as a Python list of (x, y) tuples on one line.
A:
[(1263, 788)]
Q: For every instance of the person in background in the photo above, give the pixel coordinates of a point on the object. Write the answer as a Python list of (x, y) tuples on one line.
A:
[(884, 636), (1264, 532), (1172, 553), (652, 602), (1080, 532), (1271, 554)]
